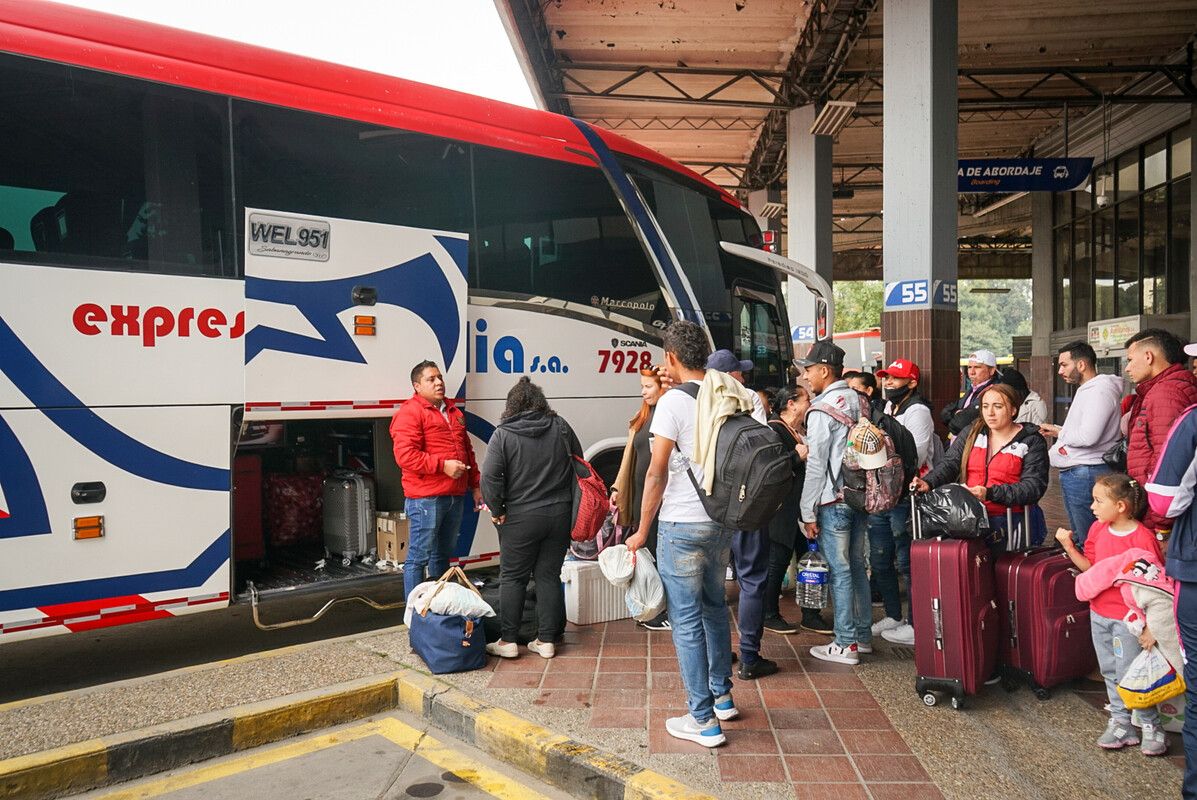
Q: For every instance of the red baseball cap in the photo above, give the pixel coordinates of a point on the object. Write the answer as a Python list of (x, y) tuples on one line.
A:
[(900, 368)]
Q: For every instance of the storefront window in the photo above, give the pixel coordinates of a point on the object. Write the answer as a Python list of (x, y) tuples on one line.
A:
[(1155, 251), (1128, 258), (1179, 235), (1182, 153), (1128, 175)]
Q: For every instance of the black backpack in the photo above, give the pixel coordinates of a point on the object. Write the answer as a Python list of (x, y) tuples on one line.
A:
[(753, 472)]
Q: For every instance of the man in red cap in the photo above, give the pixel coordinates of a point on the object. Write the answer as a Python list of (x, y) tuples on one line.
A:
[(888, 538)]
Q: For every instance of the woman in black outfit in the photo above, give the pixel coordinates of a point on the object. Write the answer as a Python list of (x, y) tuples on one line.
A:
[(527, 481)]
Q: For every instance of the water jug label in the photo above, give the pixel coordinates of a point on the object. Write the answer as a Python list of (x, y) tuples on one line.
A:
[(816, 576)]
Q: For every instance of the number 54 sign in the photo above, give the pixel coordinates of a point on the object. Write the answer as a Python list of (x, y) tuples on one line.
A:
[(914, 294)]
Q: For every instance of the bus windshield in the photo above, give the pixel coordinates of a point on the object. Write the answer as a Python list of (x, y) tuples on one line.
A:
[(741, 300)]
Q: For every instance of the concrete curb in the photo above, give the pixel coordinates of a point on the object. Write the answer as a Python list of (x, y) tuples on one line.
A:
[(577, 768)]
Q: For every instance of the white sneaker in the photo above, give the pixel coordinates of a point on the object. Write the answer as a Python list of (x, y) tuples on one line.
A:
[(903, 634), (505, 650), (833, 652), (887, 624), (708, 734), (543, 649), (864, 649), (725, 707)]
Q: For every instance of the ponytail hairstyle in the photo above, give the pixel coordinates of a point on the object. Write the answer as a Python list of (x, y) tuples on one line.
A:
[(1122, 488), (637, 422), (1011, 396)]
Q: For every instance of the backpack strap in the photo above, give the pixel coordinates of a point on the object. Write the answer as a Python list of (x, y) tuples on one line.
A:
[(691, 389), (840, 416)]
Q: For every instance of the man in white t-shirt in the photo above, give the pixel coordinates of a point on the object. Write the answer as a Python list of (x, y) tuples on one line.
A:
[(692, 549)]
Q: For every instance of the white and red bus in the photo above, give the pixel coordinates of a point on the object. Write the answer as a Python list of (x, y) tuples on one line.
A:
[(213, 253)]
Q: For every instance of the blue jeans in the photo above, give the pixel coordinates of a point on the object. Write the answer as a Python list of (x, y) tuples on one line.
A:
[(842, 540), (432, 537), (1076, 485), (692, 559), (889, 543)]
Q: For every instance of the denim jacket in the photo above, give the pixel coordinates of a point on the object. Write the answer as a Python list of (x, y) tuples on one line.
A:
[(827, 439)]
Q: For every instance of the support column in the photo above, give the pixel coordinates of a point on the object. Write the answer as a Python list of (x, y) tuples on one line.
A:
[(920, 320), (1043, 291), (808, 210)]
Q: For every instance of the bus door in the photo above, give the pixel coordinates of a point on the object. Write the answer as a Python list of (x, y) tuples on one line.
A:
[(115, 396)]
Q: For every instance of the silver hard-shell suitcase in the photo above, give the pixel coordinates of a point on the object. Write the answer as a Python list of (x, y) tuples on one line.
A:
[(348, 515)]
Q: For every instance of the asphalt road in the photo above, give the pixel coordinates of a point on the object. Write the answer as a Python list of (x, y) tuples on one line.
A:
[(36, 667)]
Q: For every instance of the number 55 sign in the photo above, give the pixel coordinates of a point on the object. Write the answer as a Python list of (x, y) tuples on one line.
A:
[(919, 294)]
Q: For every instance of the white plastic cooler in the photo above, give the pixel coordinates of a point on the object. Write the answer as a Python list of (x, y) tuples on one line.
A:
[(589, 597)]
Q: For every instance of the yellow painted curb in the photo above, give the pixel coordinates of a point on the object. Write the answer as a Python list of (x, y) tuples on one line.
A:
[(649, 785), (517, 741), (253, 728), (413, 688), (71, 768)]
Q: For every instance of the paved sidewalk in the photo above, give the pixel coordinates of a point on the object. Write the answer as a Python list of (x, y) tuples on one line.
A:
[(814, 730)]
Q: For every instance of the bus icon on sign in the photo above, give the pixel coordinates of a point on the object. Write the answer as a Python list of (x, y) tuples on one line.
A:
[(1060, 171)]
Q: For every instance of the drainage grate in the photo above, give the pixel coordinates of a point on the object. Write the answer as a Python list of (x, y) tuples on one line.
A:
[(902, 653)]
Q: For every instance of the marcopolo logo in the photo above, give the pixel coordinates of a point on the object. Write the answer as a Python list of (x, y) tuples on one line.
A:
[(156, 321)]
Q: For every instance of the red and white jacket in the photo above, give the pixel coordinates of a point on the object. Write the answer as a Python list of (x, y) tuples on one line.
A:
[(1015, 476)]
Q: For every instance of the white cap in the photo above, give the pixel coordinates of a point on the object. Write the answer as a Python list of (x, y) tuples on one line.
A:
[(1191, 349), (985, 357)]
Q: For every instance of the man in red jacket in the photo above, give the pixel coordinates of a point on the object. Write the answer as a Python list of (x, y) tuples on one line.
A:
[(433, 449), (1164, 388)]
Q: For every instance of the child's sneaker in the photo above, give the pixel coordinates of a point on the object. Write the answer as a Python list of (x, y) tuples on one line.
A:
[(1118, 735), (708, 733), (1155, 741), (725, 707)]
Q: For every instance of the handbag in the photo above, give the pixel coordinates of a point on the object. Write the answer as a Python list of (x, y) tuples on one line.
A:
[(448, 642), (1115, 457)]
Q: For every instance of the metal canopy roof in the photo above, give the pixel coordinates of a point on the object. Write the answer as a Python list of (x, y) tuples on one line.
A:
[(708, 83)]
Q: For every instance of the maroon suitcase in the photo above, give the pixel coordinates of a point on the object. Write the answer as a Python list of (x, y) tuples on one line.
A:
[(292, 509), (954, 615), (1046, 639), (249, 542)]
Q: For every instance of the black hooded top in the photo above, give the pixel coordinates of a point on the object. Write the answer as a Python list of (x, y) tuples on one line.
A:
[(528, 465)]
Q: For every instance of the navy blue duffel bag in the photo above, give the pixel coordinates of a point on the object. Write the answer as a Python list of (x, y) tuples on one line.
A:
[(448, 642)]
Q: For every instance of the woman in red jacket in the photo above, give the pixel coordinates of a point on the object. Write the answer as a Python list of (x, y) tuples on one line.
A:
[(1004, 465)]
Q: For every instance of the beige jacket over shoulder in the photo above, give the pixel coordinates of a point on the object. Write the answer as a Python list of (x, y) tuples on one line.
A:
[(719, 396)]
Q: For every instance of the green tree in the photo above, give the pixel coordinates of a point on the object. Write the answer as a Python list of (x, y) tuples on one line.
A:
[(857, 305)]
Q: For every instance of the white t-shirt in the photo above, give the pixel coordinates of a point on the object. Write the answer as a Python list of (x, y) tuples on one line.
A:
[(674, 419)]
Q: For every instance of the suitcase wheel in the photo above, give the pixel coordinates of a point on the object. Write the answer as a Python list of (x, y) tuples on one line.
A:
[(957, 703), (1042, 694), (930, 699)]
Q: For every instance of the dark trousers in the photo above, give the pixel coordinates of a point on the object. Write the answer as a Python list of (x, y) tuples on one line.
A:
[(1186, 623), (532, 545), (779, 563), (750, 551)]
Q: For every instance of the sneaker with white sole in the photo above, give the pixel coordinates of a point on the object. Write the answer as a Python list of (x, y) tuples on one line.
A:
[(1155, 741), (542, 649), (504, 650), (887, 624), (903, 634), (833, 652), (1118, 735), (725, 707), (864, 649), (708, 734)]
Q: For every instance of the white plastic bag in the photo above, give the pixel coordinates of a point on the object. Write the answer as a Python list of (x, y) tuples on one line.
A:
[(1149, 680), (453, 598), (617, 565), (645, 597)]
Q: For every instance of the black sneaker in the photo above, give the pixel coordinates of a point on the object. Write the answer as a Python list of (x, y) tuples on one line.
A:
[(812, 621), (658, 623), (776, 624), (757, 669)]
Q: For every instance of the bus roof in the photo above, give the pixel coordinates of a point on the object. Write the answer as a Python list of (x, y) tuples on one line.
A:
[(110, 43)]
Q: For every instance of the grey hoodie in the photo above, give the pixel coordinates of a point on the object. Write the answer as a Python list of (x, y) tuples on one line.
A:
[(528, 464), (1091, 427)]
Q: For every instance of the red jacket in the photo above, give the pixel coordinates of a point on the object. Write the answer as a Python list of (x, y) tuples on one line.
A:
[(1157, 404), (424, 440)]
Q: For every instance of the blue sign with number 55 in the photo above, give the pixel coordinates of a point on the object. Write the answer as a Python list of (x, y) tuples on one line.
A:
[(906, 293)]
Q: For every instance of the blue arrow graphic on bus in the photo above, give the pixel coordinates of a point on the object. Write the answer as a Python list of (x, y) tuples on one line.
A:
[(25, 514), (419, 285)]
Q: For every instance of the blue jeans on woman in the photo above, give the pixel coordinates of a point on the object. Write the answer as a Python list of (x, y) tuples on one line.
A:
[(432, 537), (889, 542), (842, 540), (692, 560)]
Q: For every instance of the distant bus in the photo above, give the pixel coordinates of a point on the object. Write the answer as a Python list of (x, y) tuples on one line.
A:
[(219, 264)]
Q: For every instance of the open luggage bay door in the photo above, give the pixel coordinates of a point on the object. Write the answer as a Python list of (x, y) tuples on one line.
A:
[(338, 312)]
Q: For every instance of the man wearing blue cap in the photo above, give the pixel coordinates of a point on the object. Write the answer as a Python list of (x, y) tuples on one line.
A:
[(750, 551)]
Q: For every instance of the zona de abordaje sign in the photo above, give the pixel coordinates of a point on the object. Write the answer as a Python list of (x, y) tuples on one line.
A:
[(1022, 174)]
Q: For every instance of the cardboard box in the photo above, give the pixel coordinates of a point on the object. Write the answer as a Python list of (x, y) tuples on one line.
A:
[(589, 597), (392, 536)]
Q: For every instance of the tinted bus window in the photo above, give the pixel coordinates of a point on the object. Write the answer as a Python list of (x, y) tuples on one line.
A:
[(107, 172), (557, 230), (311, 164)]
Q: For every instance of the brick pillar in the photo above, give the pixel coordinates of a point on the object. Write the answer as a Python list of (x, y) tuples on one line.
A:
[(931, 339)]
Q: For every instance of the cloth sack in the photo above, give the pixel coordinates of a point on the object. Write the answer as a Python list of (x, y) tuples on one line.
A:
[(617, 565), (1149, 680), (448, 642), (645, 597)]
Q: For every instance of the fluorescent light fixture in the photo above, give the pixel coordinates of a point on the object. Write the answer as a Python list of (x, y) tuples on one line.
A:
[(994, 206), (771, 210), (833, 116), (989, 290)]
